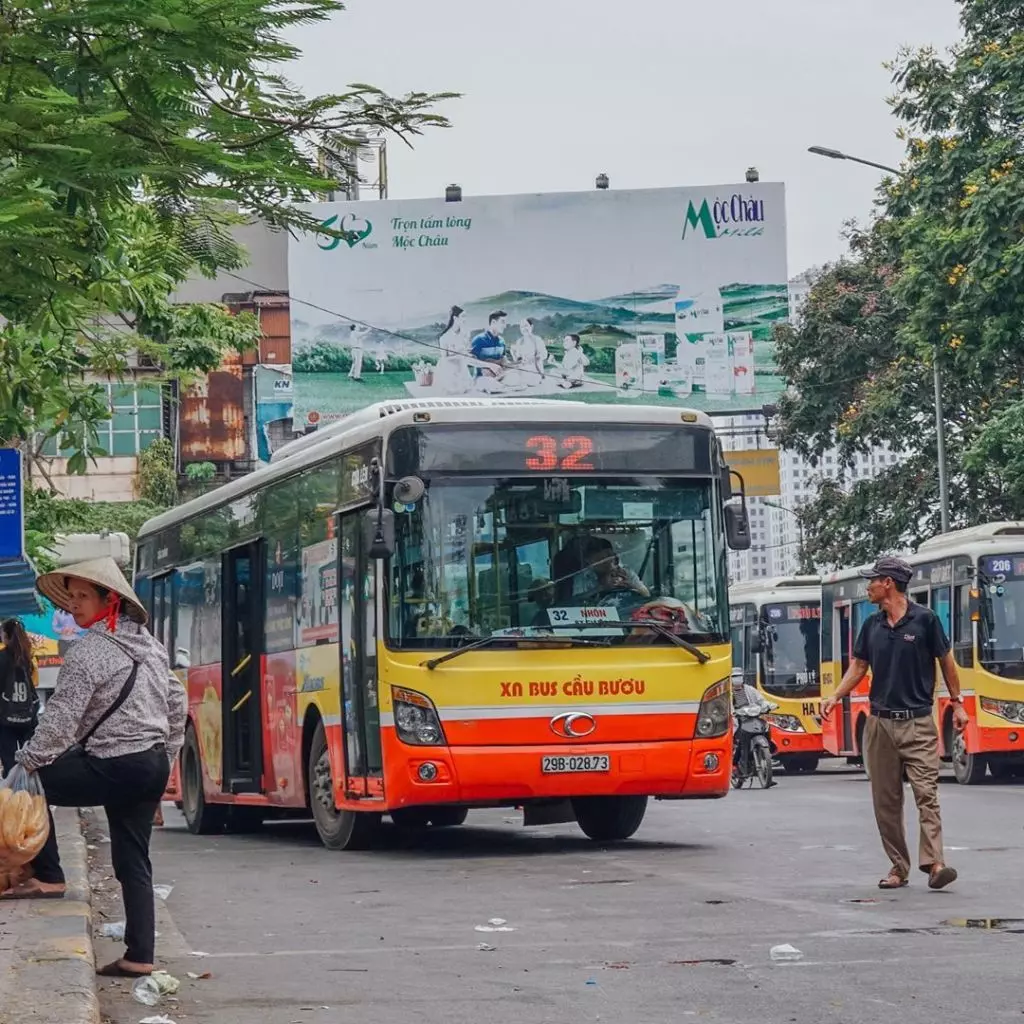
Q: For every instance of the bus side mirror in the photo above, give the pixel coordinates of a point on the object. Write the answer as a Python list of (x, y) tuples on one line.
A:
[(379, 533), (737, 526), (756, 646)]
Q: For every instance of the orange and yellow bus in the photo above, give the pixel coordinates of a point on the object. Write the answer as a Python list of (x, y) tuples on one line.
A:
[(776, 626), (432, 606), (973, 580)]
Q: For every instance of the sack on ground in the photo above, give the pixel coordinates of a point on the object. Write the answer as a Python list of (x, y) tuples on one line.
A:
[(24, 821)]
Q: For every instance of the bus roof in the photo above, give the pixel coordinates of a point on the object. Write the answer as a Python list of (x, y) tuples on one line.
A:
[(776, 589), (381, 418), (972, 542)]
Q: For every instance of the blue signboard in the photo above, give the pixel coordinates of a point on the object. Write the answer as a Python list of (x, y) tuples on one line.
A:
[(12, 509)]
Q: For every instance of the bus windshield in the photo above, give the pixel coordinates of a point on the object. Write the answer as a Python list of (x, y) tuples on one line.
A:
[(791, 648), (1001, 629), (564, 556)]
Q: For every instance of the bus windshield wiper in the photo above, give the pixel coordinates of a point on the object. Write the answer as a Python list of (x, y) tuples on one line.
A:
[(486, 641), (658, 627)]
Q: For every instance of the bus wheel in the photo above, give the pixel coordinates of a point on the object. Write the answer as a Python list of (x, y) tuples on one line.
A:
[(609, 818), (800, 764), (338, 830), (969, 769), (448, 817), (202, 819)]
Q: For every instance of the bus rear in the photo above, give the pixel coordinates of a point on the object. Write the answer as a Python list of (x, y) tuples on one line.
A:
[(776, 630), (554, 617)]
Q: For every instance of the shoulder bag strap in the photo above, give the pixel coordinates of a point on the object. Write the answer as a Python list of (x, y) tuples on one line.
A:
[(129, 685)]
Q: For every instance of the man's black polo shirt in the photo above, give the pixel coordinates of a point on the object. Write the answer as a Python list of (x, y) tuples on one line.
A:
[(902, 658)]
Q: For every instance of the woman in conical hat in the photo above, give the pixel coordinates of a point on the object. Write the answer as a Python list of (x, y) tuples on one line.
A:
[(108, 737)]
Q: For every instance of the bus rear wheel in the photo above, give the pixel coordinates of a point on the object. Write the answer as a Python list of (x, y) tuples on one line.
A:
[(968, 768), (338, 829), (800, 764), (202, 819), (609, 818)]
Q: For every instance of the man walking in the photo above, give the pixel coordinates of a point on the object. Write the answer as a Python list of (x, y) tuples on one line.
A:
[(900, 644)]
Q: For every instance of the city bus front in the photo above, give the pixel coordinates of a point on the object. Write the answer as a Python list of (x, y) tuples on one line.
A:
[(994, 681), (789, 641), (555, 630)]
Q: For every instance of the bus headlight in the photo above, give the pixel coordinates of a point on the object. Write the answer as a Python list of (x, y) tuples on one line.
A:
[(416, 719), (1011, 710), (715, 712), (787, 723)]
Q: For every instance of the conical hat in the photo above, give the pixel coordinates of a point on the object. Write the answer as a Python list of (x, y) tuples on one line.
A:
[(101, 571)]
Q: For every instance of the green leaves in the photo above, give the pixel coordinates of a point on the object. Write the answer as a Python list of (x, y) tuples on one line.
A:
[(939, 275), (129, 133)]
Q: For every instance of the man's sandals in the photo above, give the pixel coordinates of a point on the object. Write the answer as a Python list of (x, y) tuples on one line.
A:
[(938, 878)]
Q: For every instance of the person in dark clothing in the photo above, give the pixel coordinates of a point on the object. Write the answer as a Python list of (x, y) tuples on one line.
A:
[(108, 737), (19, 701), (900, 644)]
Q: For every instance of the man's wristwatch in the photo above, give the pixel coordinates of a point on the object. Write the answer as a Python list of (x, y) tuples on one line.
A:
[(957, 700)]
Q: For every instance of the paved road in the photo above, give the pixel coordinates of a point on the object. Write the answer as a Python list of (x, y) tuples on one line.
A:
[(676, 924)]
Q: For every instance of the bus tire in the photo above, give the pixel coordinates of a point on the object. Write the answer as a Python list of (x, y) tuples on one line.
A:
[(448, 817), (609, 818), (800, 764), (968, 768), (338, 830), (202, 819)]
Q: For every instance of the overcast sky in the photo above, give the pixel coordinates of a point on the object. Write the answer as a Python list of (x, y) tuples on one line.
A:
[(652, 92)]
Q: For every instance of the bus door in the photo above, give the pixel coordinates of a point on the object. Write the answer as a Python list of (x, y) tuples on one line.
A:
[(843, 623), (241, 659), (358, 651)]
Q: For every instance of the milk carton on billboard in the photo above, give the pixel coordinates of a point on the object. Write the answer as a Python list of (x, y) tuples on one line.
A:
[(718, 366), (652, 356), (742, 345), (629, 368), (696, 318)]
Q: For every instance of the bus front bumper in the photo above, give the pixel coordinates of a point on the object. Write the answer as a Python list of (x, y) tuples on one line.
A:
[(509, 775), (796, 742)]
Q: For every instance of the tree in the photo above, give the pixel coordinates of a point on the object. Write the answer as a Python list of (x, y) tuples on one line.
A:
[(939, 274), (130, 132)]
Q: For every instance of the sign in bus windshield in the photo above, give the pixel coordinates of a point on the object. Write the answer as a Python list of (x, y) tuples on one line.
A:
[(1008, 566), (541, 448)]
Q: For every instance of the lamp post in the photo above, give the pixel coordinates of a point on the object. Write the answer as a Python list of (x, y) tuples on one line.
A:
[(799, 526), (940, 422)]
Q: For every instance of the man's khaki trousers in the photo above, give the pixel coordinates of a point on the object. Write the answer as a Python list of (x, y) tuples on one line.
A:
[(891, 747)]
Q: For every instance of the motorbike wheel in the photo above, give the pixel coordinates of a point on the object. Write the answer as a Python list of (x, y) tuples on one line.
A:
[(762, 757)]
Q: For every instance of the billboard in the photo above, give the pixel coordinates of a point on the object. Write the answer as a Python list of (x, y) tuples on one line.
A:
[(759, 468), (667, 296)]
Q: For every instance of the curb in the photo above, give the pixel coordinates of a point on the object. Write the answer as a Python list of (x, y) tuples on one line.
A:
[(54, 970)]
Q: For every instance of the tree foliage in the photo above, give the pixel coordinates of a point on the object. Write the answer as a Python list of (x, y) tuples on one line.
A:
[(130, 132), (939, 275)]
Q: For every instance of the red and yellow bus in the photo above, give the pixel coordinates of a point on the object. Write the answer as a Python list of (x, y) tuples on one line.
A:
[(776, 630), (432, 606), (973, 580)]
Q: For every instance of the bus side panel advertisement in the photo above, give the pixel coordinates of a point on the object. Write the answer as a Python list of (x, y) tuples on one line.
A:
[(285, 780), (667, 295)]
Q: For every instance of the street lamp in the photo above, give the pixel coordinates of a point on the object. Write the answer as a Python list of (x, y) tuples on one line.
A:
[(799, 525), (940, 422)]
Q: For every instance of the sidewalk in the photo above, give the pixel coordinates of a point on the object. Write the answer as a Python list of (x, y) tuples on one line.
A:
[(47, 965)]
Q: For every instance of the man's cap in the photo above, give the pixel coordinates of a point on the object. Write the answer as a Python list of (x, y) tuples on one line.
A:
[(895, 568)]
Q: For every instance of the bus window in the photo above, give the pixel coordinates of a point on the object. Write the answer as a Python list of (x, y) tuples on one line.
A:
[(1001, 629), (963, 632), (487, 555), (861, 611), (791, 651), (941, 607)]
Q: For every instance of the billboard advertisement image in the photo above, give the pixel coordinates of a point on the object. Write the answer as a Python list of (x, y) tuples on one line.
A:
[(667, 296)]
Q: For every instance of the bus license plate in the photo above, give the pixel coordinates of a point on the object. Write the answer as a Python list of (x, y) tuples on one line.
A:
[(575, 763)]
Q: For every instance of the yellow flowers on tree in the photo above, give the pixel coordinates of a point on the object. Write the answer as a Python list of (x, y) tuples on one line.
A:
[(939, 274)]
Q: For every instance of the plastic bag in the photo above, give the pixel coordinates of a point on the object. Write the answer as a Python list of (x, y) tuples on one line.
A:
[(24, 819)]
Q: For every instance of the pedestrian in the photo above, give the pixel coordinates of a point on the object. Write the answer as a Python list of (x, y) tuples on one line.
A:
[(107, 737), (19, 697), (900, 644)]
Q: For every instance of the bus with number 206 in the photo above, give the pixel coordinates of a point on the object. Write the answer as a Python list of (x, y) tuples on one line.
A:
[(431, 606), (973, 579)]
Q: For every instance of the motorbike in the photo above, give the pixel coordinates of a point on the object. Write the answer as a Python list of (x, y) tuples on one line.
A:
[(753, 751)]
